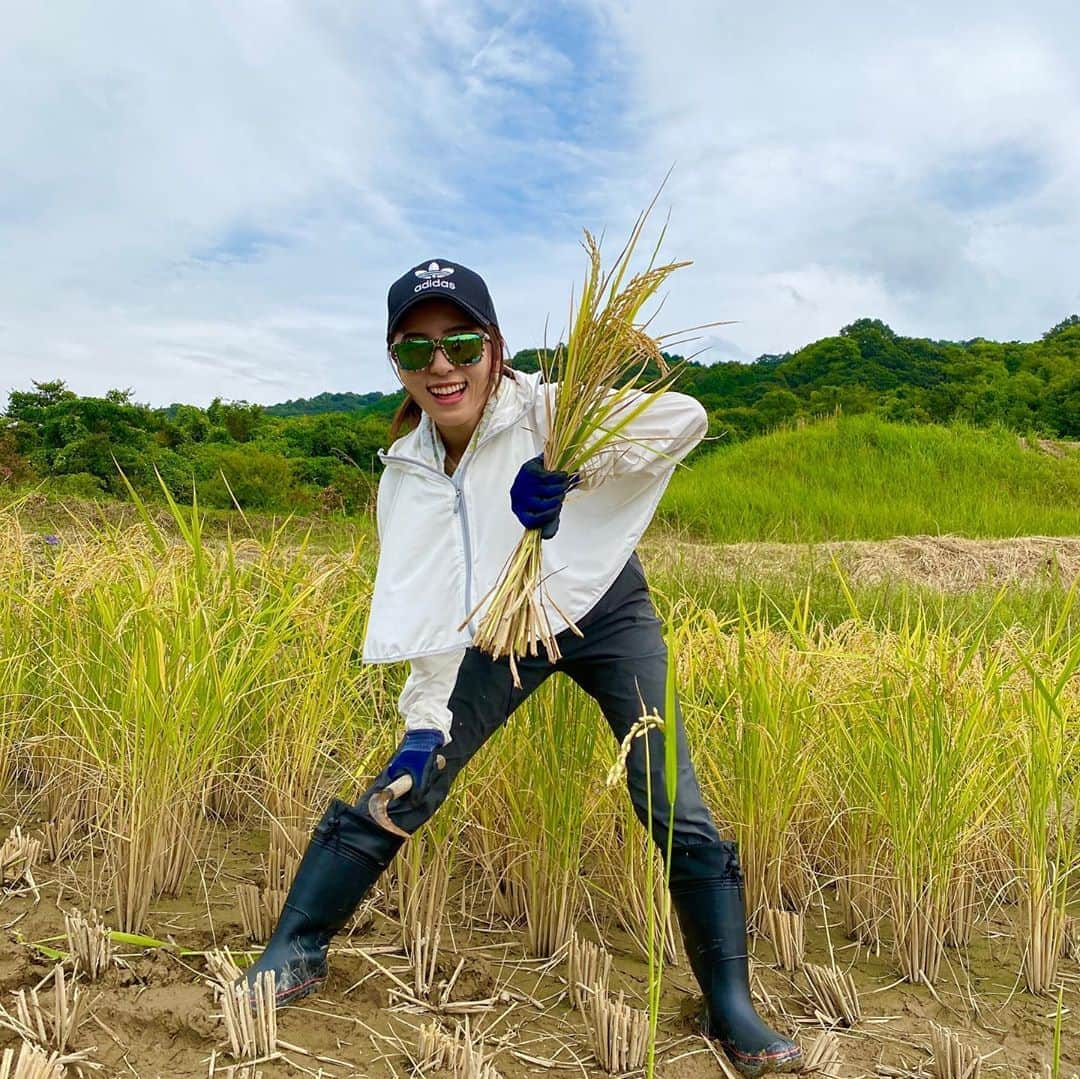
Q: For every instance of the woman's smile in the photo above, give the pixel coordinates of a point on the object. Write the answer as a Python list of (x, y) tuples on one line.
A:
[(449, 393), (453, 396)]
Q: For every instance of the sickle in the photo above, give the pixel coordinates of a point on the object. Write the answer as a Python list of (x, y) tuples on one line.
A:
[(379, 802)]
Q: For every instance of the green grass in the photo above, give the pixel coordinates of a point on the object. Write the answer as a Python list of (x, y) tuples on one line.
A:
[(859, 477), (826, 598)]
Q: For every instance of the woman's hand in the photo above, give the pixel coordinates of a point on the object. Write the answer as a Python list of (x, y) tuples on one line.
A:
[(536, 496), (416, 757)]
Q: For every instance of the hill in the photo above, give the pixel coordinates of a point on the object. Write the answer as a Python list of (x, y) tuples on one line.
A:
[(861, 477), (321, 452), (328, 402), (866, 367)]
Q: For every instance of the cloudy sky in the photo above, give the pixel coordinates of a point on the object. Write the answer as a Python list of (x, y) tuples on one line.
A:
[(204, 199)]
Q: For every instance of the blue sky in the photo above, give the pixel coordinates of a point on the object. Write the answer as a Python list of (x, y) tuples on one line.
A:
[(208, 199)]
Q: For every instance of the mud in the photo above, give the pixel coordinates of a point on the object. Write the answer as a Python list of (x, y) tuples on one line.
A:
[(155, 1014)]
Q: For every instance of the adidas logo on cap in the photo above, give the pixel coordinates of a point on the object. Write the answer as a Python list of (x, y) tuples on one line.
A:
[(434, 276)]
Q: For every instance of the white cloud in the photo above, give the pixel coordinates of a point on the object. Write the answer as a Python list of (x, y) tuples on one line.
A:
[(176, 178), (212, 199), (807, 141)]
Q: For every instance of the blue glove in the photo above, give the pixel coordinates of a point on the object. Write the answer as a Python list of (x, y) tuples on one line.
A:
[(536, 496), (416, 756)]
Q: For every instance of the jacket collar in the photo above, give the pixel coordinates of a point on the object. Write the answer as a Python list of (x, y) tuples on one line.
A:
[(512, 398)]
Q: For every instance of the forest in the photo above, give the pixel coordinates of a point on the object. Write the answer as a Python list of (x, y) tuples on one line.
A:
[(319, 454)]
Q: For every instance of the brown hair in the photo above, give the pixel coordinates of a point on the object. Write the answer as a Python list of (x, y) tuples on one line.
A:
[(409, 413)]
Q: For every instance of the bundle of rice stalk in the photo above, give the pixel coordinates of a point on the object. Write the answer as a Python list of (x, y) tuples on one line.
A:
[(222, 968), (594, 400), (963, 907), (953, 1059), (435, 1048), (35, 1063), (251, 1023), (181, 831), (423, 882), (1070, 938), (588, 966), (620, 1033), (786, 931), (832, 995), (259, 910), (287, 844), (33, 1023), (823, 1054), (58, 834), (89, 942), (461, 1054), (624, 874), (18, 856)]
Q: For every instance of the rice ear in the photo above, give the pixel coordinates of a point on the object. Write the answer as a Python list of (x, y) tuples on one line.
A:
[(594, 402)]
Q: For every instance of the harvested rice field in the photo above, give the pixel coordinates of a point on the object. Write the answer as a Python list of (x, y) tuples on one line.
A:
[(889, 730)]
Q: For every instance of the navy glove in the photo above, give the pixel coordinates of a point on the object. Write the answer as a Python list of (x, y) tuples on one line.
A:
[(416, 756), (536, 496)]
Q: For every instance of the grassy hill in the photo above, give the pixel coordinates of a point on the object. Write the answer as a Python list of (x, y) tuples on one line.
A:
[(861, 477), (320, 453)]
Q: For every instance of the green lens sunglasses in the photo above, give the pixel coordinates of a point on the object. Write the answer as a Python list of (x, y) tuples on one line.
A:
[(461, 349)]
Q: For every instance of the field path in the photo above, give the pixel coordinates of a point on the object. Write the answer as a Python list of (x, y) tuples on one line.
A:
[(949, 563)]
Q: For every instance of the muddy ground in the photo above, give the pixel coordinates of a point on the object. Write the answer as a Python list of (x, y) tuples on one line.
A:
[(155, 1015)]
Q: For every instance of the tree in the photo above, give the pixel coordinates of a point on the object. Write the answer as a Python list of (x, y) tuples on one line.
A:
[(1064, 324), (22, 403), (257, 480), (14, 468), (241, 420), (776, 406)]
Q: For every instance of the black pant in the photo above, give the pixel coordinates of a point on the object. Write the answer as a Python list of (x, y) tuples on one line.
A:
[(621, 661)]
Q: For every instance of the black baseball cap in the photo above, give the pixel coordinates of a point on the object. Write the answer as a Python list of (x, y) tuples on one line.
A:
[(444, 280)]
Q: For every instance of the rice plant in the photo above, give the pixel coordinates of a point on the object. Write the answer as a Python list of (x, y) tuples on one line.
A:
[(1045, 799), (593, 402), (752, 703), (619, 876), (920, 756), (931, 732), (423, 879), (557, 737)]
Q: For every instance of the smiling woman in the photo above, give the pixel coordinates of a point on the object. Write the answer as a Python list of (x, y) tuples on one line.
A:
[(457, 373), (448, 365), (454, 494)]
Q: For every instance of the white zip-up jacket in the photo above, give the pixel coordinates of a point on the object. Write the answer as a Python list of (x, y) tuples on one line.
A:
[(444, 540)]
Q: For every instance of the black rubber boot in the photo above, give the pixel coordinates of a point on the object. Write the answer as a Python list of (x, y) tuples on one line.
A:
[(346, 855), (706, 891)]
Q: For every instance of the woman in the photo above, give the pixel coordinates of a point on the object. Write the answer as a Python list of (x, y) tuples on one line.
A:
[(454, 494)]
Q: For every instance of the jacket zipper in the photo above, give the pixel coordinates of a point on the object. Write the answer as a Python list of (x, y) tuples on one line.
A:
[(459, 503), (459, 508)]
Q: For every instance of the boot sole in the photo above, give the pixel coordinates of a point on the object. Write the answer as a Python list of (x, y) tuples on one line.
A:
[(754, 1066), (297, 992)]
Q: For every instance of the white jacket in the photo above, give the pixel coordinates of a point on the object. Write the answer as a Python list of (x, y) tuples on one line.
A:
[(443, 540)]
